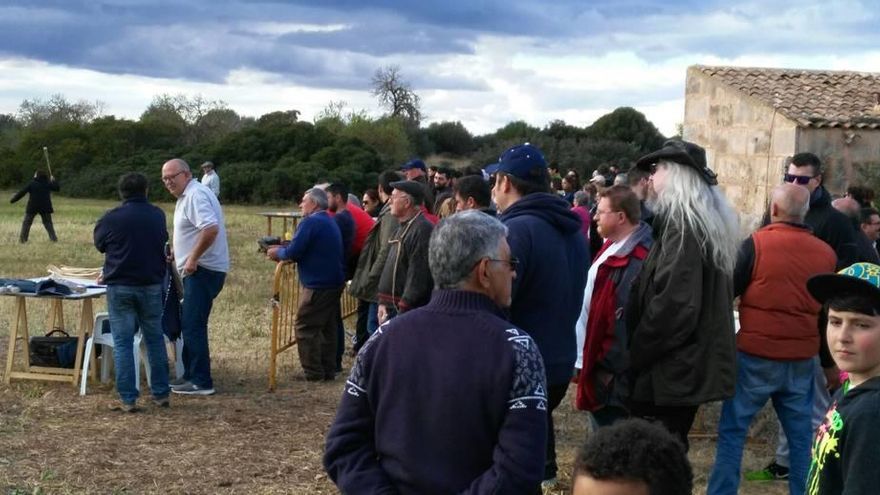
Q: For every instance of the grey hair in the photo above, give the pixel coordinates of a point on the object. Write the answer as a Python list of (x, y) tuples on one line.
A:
[(691, 205), (459, 242), (581, 198), (319, 197), (181, 165)]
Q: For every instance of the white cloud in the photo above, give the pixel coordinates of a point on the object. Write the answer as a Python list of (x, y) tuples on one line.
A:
[(282, 28)]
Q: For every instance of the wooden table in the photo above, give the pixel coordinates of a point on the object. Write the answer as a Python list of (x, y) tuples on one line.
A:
[(20, 331), (284, 215)]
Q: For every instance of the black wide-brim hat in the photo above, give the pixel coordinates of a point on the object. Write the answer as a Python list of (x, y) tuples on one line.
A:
[(681, 152), (859, 278)]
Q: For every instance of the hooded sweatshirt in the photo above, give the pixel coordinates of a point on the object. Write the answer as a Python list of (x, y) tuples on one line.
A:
[(548, 290), (845, 452)]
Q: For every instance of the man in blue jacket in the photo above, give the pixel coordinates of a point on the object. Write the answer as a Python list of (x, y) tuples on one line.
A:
[(547, 294), (319, 255), (132, 237), (448, 397)]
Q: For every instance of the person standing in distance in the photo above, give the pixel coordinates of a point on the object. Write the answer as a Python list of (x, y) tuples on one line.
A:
[(210, 179), (39, 202)]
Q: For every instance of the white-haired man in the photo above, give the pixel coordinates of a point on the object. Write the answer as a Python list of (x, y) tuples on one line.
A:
[(680, 314)]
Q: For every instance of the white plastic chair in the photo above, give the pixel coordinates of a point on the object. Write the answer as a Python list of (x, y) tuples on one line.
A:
[(178, 358), (98, 337)]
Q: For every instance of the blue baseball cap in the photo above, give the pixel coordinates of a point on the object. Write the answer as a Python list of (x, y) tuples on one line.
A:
[(859, 278), (414, 163), (523, 162)]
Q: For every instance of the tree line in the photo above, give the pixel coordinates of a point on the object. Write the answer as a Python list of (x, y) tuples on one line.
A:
[(275, 157)]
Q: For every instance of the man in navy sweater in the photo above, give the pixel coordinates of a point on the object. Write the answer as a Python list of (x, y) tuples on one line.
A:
[(448, 397), (132, 237), (319, 255), (554, 260)]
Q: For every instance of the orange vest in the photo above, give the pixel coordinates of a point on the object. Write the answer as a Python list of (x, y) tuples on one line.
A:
[(778, 317)]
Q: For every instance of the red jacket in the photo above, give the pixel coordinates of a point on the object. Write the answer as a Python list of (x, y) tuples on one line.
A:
[(363, 222), (778, 317), (602, 379)]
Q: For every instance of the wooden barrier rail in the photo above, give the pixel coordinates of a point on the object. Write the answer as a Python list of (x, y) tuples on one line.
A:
[(285, 298)]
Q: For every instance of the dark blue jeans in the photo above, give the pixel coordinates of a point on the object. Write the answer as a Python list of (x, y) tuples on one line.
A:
[(132, 308), (789, 384), (199, 290)]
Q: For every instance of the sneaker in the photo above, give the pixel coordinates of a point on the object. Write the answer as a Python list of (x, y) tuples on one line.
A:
[(179, 382), (190, 388), (163, 402), (120, 406), (773, 472)]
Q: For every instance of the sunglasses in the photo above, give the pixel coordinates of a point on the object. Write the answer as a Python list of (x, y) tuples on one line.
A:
[(802, 180)]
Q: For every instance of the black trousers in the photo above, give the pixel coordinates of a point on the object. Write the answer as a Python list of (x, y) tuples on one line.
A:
[(29, 220), (677, 419), (555, 394), (361, 335)]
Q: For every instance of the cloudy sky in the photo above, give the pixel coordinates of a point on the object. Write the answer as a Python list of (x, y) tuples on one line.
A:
[(484, 63)]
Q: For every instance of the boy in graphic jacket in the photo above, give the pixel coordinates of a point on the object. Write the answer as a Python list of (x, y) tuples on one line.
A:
[(846, 451)]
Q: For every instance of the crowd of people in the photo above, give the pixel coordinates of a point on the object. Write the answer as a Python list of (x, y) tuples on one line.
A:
[(639, 288), (483, 294)]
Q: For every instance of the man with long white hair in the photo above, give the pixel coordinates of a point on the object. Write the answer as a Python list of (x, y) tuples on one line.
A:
[(679, 317)]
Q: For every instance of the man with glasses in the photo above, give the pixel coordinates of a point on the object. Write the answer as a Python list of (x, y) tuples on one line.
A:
[(603, 387), (406, 281), (870, 232), (828, 224), (545, 235), (201, 255), (449, 397)]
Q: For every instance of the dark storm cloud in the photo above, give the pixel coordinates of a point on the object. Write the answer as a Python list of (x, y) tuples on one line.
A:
[(207, 40)]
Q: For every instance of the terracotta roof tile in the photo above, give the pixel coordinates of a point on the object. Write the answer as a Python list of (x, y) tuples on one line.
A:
[(812, 98)]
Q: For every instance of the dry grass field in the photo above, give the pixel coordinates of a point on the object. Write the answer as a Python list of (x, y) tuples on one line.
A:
[(242, 440)]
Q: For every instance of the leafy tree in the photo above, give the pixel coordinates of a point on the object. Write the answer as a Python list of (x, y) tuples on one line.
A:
[(517, 130), (450, 137), (629, 126), (286, 117)]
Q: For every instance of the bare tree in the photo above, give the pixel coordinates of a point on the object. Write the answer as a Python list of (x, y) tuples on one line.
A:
[(396, 94), (38, 113)]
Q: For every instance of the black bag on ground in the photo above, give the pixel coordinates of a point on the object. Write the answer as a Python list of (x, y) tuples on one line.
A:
[(56, 350)]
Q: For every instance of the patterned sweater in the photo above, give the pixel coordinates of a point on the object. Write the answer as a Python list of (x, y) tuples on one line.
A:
[(446, 398)]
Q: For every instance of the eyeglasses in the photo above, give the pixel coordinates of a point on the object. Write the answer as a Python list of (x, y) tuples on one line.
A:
[(171, 177), (600, 212), (512, 263), (798, 179)]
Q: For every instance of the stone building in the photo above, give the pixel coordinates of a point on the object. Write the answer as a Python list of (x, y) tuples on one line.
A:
[(751, 120)]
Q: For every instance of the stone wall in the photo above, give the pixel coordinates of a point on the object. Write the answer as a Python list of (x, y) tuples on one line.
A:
[(747, 142), (849, 156)]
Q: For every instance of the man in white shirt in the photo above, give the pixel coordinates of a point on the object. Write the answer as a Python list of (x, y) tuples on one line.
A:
[(601, 329), (210, 179), (201, 257)]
